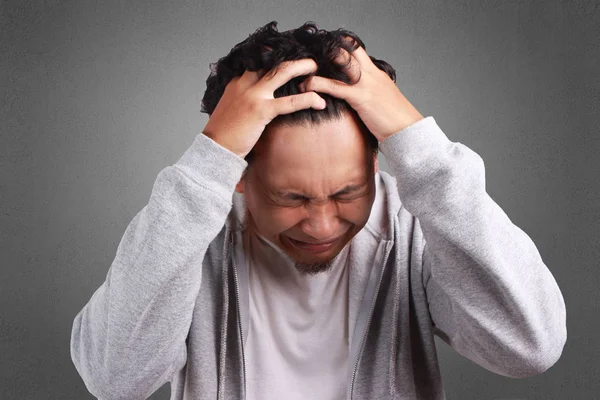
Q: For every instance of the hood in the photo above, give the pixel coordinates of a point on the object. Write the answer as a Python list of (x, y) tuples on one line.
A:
[(368, 251)]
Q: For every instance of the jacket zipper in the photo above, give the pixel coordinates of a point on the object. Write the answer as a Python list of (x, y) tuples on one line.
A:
[(239, 316), (364, 337)]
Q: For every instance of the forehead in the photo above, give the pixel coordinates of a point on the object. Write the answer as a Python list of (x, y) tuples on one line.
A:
[(327, 154)]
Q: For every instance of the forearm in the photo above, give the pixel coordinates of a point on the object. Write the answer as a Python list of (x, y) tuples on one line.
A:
[(490, 294), (131, 334)]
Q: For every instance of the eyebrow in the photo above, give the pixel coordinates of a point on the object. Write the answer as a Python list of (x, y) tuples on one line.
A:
[(345, 190)]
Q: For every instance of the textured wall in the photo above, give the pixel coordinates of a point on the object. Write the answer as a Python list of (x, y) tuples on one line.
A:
[(97, 97)]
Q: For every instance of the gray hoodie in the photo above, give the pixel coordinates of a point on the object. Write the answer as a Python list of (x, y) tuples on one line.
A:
[(437, 257)]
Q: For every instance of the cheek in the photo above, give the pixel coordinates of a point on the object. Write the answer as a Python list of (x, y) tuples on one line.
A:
[(271, 220), (357, 212), (276, 220), (286, 218)]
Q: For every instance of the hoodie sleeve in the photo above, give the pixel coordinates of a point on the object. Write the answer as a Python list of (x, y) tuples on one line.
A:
[(491, 297), (129, 339)]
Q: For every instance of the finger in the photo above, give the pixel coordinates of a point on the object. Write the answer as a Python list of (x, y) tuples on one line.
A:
[(349, 64), (362, 57), (295, 102), (249, 78), (286, 71), (321, 84), (360, 53)]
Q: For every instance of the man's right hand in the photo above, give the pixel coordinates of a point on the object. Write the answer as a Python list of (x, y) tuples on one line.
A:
[(248, 105)]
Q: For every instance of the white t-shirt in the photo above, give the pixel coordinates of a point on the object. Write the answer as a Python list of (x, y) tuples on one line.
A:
[(297, 341)]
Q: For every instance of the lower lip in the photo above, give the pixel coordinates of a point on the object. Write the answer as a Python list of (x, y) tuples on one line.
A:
[(315, 248)]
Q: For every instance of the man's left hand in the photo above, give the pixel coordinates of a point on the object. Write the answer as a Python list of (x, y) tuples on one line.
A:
[(373, 94)]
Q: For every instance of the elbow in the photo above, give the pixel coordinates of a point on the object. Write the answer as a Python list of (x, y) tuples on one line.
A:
[(551, 353), (542, 356), (119, 379), (525, 358), (552, 344), (546, 344), (93, 371), (90, 372), (111, 388)]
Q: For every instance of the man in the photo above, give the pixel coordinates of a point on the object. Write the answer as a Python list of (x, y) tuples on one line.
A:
[(274, 260)]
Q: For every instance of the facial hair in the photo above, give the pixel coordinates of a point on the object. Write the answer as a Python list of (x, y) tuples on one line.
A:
[(303, 268), (316, 268), (312, 268)]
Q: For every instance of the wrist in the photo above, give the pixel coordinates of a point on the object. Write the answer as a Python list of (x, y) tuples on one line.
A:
[(224, 144), (404, 122)]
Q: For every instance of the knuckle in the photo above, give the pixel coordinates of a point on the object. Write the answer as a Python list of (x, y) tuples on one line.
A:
[(308, 84), (286, 64), (294, 100), (253, 105), (281, 68), (311, 61), (269, 74)]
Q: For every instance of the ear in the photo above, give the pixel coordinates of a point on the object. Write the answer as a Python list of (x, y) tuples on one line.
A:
[(241, 185), (376, 163)]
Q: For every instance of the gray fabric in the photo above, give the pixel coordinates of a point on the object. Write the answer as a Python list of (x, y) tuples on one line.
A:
[(453, 265)]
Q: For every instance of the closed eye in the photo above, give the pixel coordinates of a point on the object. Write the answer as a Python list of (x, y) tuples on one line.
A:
[(296, 197), (338, 197), (348, 194)]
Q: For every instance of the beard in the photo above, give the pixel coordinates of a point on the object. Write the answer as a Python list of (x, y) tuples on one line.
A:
[(313, 268), (302, 267), (316, 268)]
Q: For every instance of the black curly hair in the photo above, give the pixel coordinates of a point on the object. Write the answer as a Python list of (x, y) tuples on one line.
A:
[(267, 48)]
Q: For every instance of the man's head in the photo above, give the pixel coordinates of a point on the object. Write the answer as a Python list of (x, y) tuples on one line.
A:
[(311, 183), (310, 177)]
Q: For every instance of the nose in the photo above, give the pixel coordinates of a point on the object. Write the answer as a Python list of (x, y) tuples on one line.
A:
[(322, 222)]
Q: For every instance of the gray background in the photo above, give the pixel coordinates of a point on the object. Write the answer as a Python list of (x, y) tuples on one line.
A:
[(97, 98)]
